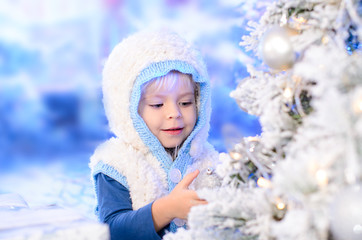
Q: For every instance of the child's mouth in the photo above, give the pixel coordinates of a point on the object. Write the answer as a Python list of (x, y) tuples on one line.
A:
[(173, 131)]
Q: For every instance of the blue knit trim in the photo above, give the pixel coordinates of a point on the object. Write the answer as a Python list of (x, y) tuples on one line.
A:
[(173, 227), (183, 159), (108, 170), (101, 167)]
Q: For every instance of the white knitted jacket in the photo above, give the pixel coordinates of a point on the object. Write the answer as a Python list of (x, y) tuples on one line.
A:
[(134, 157)]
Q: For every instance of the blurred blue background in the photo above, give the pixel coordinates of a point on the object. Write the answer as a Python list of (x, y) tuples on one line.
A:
[(51, 57)]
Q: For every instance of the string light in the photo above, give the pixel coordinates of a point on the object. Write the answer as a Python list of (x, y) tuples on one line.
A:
[(235, 155), (288, 93), (319, 173), (322, 177), (280, 208), (325, 40), (300, 20), (280, 205), (253, 139), (357, 105), (264, 183)]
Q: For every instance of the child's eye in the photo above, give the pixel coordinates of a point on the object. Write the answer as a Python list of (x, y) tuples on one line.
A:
[(186, 103), (156, 105)]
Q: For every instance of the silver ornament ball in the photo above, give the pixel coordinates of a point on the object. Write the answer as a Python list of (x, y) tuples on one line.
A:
[(276, 49), (346, 214)]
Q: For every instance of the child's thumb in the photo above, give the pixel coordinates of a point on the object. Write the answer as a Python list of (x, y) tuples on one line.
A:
[(187, 180)]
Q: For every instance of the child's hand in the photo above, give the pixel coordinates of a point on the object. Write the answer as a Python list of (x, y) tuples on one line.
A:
[(182, 199), (177, 204)]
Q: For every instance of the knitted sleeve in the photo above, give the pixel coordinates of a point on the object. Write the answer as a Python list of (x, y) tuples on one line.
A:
[(115, 209)]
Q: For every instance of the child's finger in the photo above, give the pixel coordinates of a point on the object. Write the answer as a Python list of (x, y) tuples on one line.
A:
[(187, 180), (198, 202)]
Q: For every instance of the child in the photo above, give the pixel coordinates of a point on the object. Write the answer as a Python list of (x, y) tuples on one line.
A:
[(157, 100)]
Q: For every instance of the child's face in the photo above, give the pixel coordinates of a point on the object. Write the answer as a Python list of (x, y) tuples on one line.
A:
[(170, 114)]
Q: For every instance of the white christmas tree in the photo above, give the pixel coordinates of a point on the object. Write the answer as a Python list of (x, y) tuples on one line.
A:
[(301, 178)]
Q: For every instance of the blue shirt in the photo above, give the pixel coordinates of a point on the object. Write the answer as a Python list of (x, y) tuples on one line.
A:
[(115, 209)]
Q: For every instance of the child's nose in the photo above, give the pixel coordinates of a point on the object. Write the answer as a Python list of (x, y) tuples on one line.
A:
[(173, 111)]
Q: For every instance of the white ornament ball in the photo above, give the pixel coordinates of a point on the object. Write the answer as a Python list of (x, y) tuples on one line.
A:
[(346, 214), (276, 49)]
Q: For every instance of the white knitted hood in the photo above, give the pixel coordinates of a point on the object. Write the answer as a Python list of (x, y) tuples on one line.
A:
[(132, 57)]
